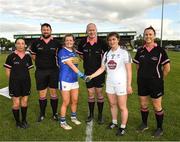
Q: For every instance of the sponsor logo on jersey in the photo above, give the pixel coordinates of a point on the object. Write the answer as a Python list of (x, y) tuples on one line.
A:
[(154, 58), (142, 56), (16, 63), (52, 49), (40, 48), (112, 64)]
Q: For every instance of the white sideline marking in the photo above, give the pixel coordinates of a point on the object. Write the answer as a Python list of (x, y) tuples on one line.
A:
[(5, 92), (89, 130)]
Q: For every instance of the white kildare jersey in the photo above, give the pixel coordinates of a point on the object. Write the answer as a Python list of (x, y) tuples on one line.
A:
[(115, 61)]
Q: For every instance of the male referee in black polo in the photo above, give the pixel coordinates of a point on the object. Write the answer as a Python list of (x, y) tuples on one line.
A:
[(44, 51), (91, 49)]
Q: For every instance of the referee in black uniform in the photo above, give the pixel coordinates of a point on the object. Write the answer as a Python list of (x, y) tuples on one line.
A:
[(153, 65), (44, 52), (91, 49), (17, 70)]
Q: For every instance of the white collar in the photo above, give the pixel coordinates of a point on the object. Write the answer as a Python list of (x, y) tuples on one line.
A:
[(68, 49)]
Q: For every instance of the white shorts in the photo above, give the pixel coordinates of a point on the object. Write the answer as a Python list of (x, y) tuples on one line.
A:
[(66, 86), (116, 89)]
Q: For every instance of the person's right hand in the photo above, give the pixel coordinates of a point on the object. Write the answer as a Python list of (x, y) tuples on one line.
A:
[(88, 78)]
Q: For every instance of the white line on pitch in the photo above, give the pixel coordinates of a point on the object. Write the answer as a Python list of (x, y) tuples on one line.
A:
[(89, 131)]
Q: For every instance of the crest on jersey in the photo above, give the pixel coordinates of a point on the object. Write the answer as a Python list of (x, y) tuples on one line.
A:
[(112, 64)]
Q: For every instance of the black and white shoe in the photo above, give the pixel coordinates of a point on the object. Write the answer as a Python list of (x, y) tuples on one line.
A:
[(89, 119), (157, 133), (120, 132), (112, 126), (55, 117), (142, 128), (19, 125), (25, 125), (100, 119), (40, 118)]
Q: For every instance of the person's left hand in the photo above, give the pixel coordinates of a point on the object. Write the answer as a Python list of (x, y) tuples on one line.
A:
[(129, 90)]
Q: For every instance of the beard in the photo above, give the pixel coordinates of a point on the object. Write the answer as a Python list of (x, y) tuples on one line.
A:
[(46, 36)]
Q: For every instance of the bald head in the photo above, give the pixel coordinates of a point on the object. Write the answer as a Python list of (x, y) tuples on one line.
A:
[(91, 30), (91, 25)]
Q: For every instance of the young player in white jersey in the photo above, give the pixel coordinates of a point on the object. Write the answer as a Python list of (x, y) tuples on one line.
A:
[(117, 63)]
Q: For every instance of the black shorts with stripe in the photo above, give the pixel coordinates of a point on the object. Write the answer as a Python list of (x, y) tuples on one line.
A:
[(46, 78), (150, 87), (19, 87), (96, 82)]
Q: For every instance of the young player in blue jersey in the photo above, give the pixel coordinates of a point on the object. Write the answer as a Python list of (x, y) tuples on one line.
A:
[(68, 81)]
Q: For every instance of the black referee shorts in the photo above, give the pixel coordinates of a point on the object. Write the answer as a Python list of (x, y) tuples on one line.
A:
[(150, 87), (46, 78), (96, 82), (19, 87)]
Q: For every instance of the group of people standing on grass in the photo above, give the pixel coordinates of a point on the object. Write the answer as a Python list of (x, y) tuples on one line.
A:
[(57, 67)]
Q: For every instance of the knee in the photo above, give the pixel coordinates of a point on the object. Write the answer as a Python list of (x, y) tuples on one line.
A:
[(16, 105), (100, 98), (42, 94), (123, 108), (24, 102), (91, 92), (53, 91), (144, 105), (113, 105), (158, 108), (74, 102), (65, 103)]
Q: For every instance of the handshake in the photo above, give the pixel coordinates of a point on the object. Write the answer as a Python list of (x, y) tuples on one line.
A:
[(84, 77)]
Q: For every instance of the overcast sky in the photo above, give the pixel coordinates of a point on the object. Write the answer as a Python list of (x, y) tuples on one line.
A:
[(25, 16)]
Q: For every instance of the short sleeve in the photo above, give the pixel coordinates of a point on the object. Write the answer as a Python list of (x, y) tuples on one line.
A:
[(32, 49), (127, 57), (104, 46), (164, 58), (80, 47), (63, 56), (104, 59), (136, 58), (30, 64), (8, 63)]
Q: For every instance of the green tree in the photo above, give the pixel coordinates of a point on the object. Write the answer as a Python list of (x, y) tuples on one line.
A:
[(6, 43)]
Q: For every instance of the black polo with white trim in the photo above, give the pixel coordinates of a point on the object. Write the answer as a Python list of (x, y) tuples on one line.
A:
[(150, 63), (92, 54), (19, 67), (46, 53)]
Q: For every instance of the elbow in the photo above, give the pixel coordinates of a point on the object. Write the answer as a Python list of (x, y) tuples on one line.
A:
[(168, 70)]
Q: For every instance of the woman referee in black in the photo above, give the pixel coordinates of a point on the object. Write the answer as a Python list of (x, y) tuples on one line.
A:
[(17, 70), (153, 65)]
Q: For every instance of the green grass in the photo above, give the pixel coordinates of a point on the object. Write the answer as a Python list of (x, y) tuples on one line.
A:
[(50, 130)]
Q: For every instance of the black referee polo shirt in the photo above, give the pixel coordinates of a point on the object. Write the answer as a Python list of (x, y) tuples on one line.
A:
[(46, 53), (150, 63), (92, 54), (19, 67)]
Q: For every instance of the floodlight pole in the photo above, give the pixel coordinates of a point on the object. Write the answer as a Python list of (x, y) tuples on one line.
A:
[(162, 13)]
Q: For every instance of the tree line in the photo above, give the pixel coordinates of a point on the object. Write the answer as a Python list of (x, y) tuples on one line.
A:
[(139, 41), (6, 44)]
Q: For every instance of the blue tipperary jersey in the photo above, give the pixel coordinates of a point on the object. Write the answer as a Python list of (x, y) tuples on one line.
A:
[(66, 73)]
